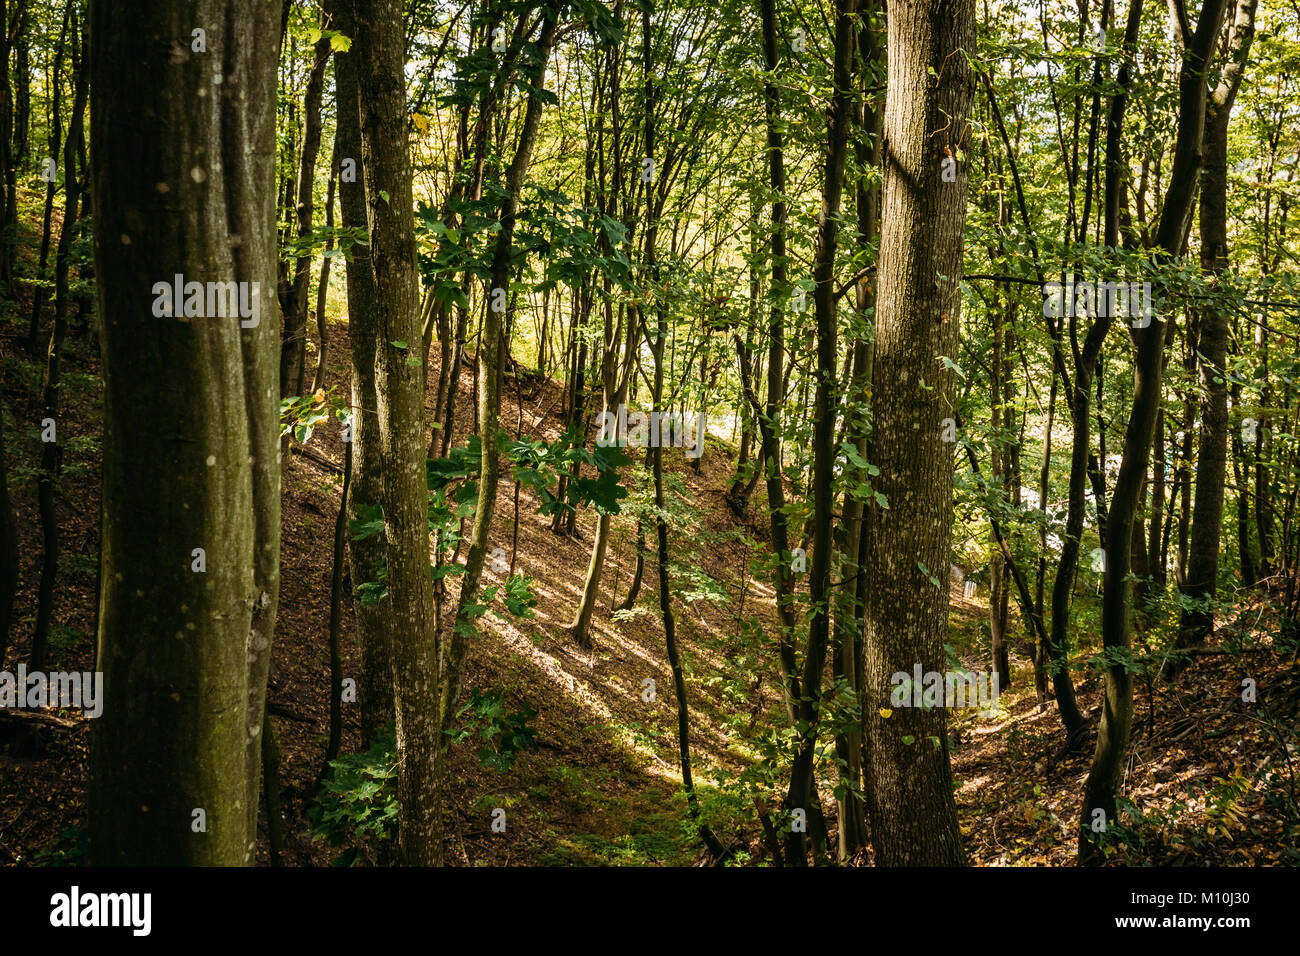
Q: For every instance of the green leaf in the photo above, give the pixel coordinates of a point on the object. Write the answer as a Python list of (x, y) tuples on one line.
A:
[(369, 521)]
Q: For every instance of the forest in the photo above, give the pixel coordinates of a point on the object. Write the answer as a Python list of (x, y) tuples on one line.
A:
[(649, 433)]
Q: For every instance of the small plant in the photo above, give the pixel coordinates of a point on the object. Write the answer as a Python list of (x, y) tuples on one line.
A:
[(300, 414), (67, 849), (358, 798), (502, 733)]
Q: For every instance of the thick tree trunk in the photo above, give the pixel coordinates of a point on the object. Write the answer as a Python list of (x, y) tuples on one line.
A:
[(913, 815), (180, 188)]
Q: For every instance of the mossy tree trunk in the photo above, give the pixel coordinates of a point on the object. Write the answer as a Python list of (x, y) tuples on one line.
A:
[(182, 185)]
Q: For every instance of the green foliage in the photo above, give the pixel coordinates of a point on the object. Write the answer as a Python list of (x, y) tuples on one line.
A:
[(358, 798), (301, 414), (501, 733), (67, 849)]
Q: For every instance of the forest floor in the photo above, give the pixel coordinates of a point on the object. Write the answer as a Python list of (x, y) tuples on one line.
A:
[(1210, 776)]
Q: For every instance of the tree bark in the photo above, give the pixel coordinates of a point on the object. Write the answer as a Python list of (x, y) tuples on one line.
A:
[(180, 187), (1197, 623), (399, 391), (365, 556), (931, 83)]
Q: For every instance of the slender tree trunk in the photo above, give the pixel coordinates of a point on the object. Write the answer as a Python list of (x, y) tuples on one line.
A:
[(336, 614), (656, 465), (323, 284), (381, 85), (808, 709), (23, 93), (1197, 622), (8, 552), (769, 416), (39, 291), (9, 219), (51, 453), (1241, 479), (852, 533), (366, 556), (271, 790), (489, 369), (294, 293), (1043, 648), (1102, 785)]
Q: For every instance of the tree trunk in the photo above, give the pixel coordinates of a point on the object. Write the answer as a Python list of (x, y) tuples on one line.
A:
[(808, 709), (769, 415), (913, 815), (51, 453), (323, 284), (366, 556), (1102, 785), (297, 271), (9, 198), (489, 369), (380, 44), (184, 652), (39, 291), (8, 552), (1197, 623)]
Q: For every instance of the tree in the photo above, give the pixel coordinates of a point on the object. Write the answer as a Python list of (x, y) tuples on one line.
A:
[(1102, 785), (1197, 622), (295, 270), (51, 457), (399, 396), (910, 801), (191, 481), (808, 709), (365, 553)]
